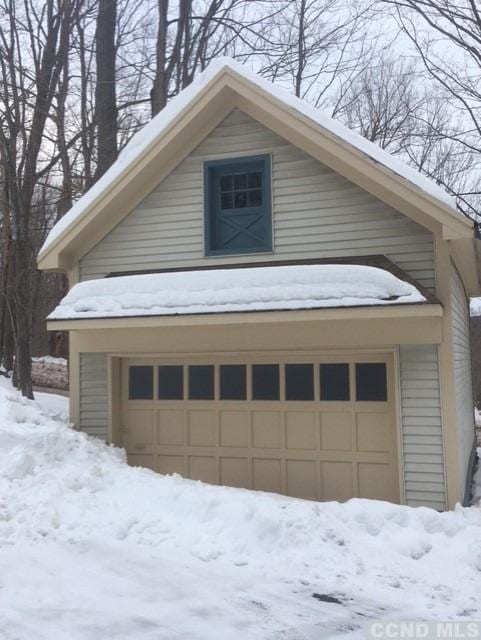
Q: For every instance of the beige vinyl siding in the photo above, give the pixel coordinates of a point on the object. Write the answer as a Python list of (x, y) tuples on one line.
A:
[(462, 373), (316, 214), (422, 437), (94, 394)]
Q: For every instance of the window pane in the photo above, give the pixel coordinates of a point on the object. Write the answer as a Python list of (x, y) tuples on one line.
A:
[(265, 382), (226, 201), (233, 382), (334, 381), (240, 199), (171, 382), (240, 181), (371, 381), (226, 183), (254, 179), (141, 383), (201, 382), (255, 198), (299, 382)]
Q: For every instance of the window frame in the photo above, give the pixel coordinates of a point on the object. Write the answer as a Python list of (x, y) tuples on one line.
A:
[(211, 208)]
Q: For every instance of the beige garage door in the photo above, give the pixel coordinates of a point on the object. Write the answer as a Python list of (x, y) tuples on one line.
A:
[(317, 428)]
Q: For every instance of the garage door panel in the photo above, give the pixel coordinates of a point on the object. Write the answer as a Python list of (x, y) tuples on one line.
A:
[(202, 428), (235, 428), (138, 428), (171, 464), (376, 481), (267, 429), (267, 475), (336, 430), (142, 460), (203, 468), (301, 430), (337, 481), (171, 427), (374, 432), (302, 479), (235, 472)]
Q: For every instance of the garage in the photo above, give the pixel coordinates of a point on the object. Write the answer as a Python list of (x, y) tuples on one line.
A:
[(317, 427)]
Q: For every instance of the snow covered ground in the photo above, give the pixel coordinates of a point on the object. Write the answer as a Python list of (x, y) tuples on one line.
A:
[(93, 549)]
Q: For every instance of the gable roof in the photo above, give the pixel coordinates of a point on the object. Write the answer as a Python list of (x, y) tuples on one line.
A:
[(194, 112)]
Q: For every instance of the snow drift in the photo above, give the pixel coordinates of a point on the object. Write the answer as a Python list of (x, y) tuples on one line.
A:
[(91, 548)]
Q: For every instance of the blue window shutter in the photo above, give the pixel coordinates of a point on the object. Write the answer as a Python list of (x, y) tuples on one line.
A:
[(238, 217)]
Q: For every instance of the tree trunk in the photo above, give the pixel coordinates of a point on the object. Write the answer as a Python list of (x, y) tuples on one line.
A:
[(105, 95), (23, 359), (161, 81)]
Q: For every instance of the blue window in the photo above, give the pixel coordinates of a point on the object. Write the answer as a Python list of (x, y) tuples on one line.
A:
[(238, 205)]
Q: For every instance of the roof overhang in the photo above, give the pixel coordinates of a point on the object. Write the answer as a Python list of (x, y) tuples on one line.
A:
[(227, 90), (396, 324)]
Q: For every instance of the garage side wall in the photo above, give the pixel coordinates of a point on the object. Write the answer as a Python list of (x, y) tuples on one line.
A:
[(462, 374), (93, 387), (422, 434)]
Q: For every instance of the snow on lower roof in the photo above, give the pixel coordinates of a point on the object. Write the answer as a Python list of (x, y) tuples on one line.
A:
[(154, 129), (229, 290)]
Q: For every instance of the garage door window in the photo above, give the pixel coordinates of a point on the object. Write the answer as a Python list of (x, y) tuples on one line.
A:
[(201, 382), (335, 382), (231, 382), (171, 382), (141, 383), (371, 384), (299, 382), (233, 385), (265, 382)]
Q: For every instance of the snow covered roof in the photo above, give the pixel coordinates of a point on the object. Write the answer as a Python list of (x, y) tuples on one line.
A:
[(229, 290), (153, 131)]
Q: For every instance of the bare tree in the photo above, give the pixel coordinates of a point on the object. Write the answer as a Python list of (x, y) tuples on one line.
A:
[(28, 84), (190, 34), (314, 45), (383, 103), (390, 105), (446, 36)]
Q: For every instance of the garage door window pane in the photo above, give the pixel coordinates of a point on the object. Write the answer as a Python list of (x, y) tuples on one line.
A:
[(171, 382), (335, 381), (371, 381), (141, 383), (201, 382), (299, 382), (232, 382), (265, 382)]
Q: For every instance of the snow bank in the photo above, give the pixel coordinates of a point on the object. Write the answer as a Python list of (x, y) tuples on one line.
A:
[(154, 129), (90, 548), (225, 290)]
